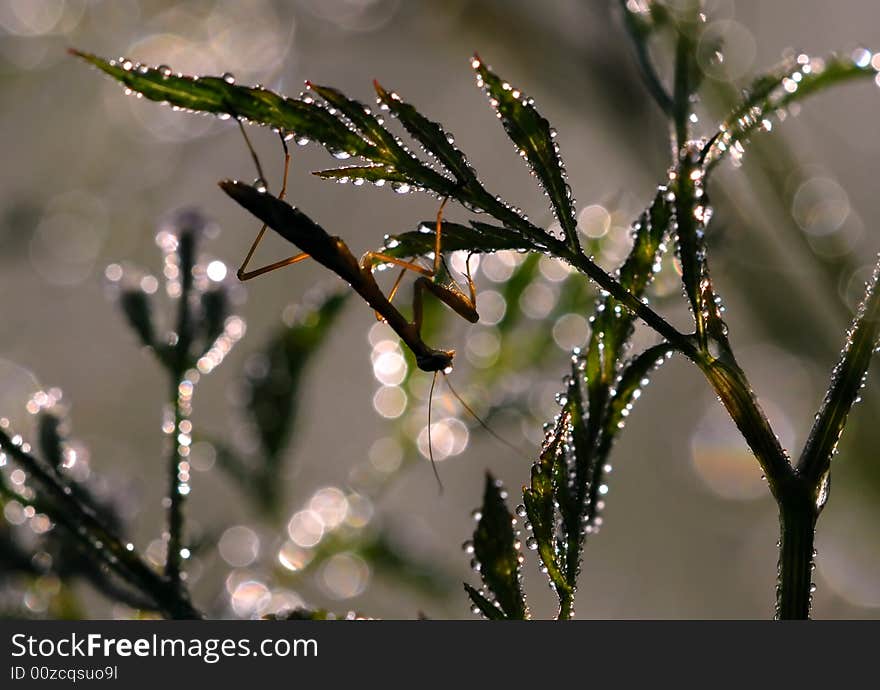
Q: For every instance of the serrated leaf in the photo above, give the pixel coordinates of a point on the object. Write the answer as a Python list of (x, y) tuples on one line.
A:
[(535, 140), (612, 324), (628, 388), (496, 552), (362, 118), (539, 500), (390, 149), (477, 237), (788, 83), (847, 380), (377, 174), (692, 215), (430, 135), (220, 97)]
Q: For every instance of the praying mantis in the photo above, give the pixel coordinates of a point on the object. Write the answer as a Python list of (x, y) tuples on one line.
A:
[(331, 252)]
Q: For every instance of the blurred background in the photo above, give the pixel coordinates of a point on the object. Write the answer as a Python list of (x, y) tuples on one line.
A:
[(357, 522)]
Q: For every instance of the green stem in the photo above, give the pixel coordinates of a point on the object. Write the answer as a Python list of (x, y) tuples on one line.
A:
[(733, 388), (566, 605), (797, 525)]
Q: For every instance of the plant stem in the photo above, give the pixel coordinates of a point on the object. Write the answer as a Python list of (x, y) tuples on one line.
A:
[(175, 505), (181, 394), (566, 606), (733, 388), (681, 106), (797, 526), (95, 538)]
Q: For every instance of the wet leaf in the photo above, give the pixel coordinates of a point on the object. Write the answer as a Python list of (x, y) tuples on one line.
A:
[(390, 150), (477, 238), (486, 607), (612, 324), (789, 82), (539, 501), (430, 135), (535, 140), (220, 97), (847, 381), (496, 552), (377, 174)]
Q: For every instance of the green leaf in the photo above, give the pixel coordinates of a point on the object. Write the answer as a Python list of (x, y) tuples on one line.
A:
[(789, 82), (220, 97), (483, 605), (539, 502), (612, 324), (390, 149), (847, 380), (627, 389), (377, 174), (496, 550), (430, 135), (478, 237), (692, 215), (535, 140)]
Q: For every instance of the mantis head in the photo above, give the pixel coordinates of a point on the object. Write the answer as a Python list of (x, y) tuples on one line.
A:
[(436, 360)]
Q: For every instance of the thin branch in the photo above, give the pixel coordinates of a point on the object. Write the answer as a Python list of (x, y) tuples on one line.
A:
[(649, 73), (88, 529)]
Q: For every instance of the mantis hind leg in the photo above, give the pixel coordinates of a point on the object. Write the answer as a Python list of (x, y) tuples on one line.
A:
[(242, 273), (451, 294)]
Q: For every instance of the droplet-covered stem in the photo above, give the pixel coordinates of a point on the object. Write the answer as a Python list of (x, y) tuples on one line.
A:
[(797, 526)]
